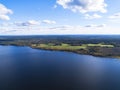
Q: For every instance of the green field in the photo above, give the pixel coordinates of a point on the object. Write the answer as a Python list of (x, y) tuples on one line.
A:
[(64, 46)]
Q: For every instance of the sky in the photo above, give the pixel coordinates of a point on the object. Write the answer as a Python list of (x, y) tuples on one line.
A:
[(59, 17)]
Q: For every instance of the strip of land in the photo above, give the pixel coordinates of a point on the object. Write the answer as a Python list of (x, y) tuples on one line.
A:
[(96, 47), (90, 49)]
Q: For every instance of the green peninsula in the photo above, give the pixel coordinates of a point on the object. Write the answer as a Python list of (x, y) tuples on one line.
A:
[(89, 45)]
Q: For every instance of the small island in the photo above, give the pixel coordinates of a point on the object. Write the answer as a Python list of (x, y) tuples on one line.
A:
[(89, 45)]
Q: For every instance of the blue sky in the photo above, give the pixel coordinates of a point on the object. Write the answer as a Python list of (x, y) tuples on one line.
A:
[(44, 17)]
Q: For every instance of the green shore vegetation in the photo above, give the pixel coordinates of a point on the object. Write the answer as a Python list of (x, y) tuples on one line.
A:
[(65, 46), (89, 46)]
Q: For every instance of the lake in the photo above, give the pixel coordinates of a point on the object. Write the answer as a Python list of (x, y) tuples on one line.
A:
[(24, 68)]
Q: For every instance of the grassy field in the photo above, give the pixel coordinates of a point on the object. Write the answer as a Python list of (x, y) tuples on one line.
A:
[(98, 45), (64, 46)]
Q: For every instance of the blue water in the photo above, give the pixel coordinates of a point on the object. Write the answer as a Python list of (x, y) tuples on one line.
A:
[(24, 68)]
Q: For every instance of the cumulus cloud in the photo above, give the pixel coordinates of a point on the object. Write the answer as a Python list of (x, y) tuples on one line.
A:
[(94, 16), (84, 6), (4, 11), (63, 27), (102, 25), (34, 22), (115, 16), (48, 22), (99, 26), (28, 23)]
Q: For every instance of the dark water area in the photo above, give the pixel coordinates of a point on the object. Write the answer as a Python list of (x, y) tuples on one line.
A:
[(24, 68)]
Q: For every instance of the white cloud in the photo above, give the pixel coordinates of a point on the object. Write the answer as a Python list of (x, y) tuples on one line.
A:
[(90, 25), (57, 31), (33, 22), (115, 16), (102, 25), (95, 26), (84, 6), (4, 11), (28, 23), (48, 22), (63, 27), (94, 16)]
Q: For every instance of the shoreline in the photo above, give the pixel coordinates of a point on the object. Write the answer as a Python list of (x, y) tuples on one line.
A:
[(76, 52)]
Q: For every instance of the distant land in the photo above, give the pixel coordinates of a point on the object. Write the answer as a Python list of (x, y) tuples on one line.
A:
[(96, 45)]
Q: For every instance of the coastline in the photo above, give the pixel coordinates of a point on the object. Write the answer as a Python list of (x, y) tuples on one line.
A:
[(63, 50), (118, 57)]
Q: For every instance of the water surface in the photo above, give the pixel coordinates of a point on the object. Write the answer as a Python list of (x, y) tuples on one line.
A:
[(24, 68)]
